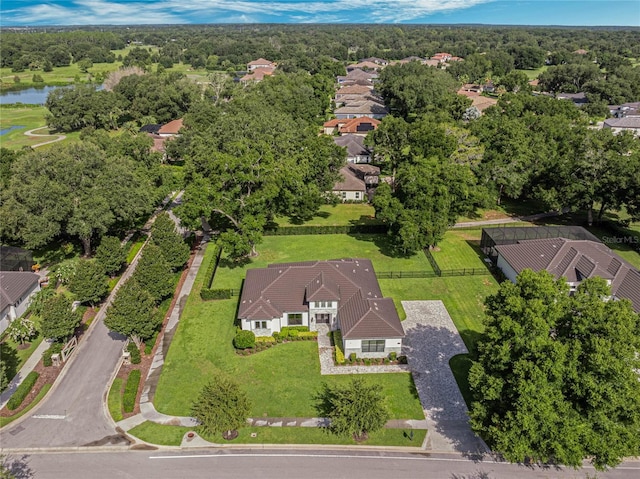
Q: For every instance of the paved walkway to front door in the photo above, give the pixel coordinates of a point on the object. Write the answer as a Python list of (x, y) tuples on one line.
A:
[(431, 341)]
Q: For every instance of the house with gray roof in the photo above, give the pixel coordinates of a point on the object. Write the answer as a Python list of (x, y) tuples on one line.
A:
[(369, 108), (357, 152), (574, 260), (627, 123), (16, 290), (343, 294)]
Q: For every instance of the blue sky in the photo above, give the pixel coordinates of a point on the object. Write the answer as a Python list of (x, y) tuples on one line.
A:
[(498, 12)]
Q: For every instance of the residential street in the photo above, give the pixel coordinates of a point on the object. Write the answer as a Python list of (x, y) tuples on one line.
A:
[(285, 463), (74, 414)]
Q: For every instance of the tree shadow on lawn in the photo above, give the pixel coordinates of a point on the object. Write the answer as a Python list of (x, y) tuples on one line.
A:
[(383, 243), (233, 264), (429, 348)]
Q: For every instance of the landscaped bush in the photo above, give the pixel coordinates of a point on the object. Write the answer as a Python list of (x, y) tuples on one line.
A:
[(293, 334), (244, 339), (131, 391), (367, 362), (211, 269), (210, 294), (55, 348), (22, 390), (353, 357), (149, 343), (337, 341), (308, 335), (393, 355), (265, 339), (135, 353), (402, 359)]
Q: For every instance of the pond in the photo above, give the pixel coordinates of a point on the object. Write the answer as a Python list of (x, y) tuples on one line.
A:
[(30, 96), (4, 131)]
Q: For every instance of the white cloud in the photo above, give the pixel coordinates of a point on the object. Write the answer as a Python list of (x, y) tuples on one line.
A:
[(177, 11)]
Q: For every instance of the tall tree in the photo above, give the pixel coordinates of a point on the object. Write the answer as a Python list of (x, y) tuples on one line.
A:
[(222, 407), (133, 312), (111, 255), (75, 190), (153, 273), (555, 374), (173, 247), (355, 409), (89, 283), (58, 320)]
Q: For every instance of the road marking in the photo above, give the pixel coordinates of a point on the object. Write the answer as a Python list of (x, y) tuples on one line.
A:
[(347, 456), (49, 416)]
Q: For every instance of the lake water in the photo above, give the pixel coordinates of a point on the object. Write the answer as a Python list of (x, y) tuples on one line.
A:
[(30, 96), (4, 131)]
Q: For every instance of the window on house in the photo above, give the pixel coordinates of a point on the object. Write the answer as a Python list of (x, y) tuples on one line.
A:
[(295, 319), (323, 304), (357, 195), (373, 346), (260, 325), (344, 195)]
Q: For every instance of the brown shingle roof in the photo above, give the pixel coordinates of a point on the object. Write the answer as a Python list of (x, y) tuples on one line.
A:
[(15, 285), (350, 182), (575, 260), (365, 108), (363, 312)]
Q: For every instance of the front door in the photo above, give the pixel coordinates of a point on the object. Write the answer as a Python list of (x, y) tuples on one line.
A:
[(323, 318)]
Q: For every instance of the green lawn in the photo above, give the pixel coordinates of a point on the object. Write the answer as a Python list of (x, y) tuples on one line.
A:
[(460, 249), (172, 436), (6, 420), (532, 74), (463, 296), (114, 400), (282, 381), (338, 215), (278, 249)]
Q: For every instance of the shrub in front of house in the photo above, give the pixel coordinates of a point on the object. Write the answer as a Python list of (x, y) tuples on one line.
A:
[(266, 339), (353, 357), (308, 335), (393, 356), (244, 339)]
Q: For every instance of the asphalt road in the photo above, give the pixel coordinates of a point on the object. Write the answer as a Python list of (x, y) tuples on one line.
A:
[(281, 463)]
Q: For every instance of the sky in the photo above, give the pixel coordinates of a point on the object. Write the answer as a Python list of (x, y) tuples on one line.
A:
[(495, 12)]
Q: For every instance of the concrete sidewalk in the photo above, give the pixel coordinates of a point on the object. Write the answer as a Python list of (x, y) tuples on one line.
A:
[(26, 368)]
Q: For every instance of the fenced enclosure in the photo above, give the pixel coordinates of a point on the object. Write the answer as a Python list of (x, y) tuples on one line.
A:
[(492, 237)]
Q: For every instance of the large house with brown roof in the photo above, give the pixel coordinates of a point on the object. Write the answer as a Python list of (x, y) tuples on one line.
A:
[(260, 63), (343, 294), (575, 260), (16, 290)]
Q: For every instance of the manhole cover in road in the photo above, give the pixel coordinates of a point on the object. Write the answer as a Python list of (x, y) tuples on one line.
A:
[(17, 430)]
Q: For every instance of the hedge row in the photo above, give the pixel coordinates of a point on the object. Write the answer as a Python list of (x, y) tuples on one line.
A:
[(337, 341), (209, 294), (22, 390), (134, 351), (265, 339), (131, 391), (211, 269), (326, 230)]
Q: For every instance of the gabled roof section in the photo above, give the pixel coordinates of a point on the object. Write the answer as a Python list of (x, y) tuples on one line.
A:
[(362, 318), (287, 287), (320, 289), (171, 128), (364, 108), (363, 124), (15, 285)]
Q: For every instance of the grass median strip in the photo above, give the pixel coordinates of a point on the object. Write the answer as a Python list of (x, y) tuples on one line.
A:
[(115, 400)]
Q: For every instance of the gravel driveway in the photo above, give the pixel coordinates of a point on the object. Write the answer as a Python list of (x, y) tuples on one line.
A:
[(431, 341)]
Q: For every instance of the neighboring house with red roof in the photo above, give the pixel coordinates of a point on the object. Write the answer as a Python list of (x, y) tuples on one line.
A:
[(359, 126), (257, 74), (343, 294), (16, 290), (261, 63), (170, 129)]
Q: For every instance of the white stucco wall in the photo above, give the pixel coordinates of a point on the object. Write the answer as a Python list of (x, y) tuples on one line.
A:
[(351, 195), (355, 346), (506, 268)]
